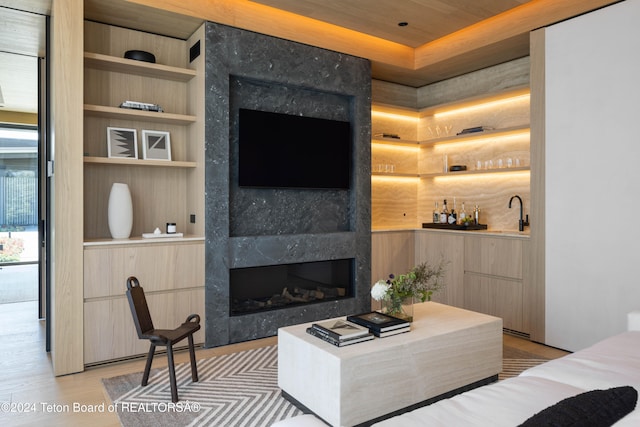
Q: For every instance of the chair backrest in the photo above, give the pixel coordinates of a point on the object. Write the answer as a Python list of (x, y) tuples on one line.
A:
[(139, 308)]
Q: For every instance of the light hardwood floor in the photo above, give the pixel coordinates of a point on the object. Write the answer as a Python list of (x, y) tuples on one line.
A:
[(27, 375)]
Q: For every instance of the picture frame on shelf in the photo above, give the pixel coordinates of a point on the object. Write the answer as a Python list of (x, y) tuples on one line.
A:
[(156, 145), (122, 143)]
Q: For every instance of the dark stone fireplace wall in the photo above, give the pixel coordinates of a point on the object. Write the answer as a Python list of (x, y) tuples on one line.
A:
[(248, 227)]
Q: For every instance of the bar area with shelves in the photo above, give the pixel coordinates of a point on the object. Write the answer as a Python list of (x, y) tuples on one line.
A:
[(413, 166)]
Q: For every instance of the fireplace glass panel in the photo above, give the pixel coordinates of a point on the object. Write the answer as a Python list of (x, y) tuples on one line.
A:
[(272, 287)]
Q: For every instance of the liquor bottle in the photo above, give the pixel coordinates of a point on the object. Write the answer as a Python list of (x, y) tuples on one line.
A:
[(444, 213), (436, 215), (453, 216), (463, 214), (476, 215)]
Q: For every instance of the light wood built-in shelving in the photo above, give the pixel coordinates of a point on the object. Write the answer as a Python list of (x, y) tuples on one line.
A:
[(130, 114), (139, 162), (424, 151), (475, 100), (395, 141), (396, 174), (474, 136), (141, 68), (467, 137), (440, 108), (477, 172), (161, 190), (394, 109), (171, 269), (139, 240)]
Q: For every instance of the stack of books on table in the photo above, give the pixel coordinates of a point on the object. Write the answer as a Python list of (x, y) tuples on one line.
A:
[(340, 332), (381, 325)]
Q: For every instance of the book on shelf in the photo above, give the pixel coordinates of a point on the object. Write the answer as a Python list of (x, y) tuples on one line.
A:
[(474, 129), (145, 106), (318, 333), (340, 329), (378, 322), (387, 135)]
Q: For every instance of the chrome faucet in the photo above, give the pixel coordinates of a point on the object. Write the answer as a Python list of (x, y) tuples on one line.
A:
[(521, 223)]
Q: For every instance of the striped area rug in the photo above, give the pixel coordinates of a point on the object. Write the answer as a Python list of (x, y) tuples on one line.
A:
[(513, 367), (235, 390)]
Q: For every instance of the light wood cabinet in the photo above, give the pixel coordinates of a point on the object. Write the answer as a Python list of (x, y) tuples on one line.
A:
[(391, 252), (171, 270), (431, 247), (496, 296), (172, 277), (493, 279), (485, 273), (495, 256)]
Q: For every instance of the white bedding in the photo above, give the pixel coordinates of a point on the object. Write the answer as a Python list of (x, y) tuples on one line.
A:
[(610, 363), (507, 403)]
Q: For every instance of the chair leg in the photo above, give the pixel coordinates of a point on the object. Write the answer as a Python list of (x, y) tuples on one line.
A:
[(192, 354), (147, 368), (172, 374)]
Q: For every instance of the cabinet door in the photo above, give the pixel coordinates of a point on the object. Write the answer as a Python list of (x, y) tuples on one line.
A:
[(391, 252), (158, 267), (493, 255), (109, 332), (434, 246), (497, 297), (172, 276)]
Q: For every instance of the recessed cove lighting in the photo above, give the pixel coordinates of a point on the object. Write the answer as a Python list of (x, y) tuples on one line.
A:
[(402, 24)]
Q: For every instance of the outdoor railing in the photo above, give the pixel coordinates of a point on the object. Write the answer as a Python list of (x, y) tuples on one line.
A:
[(18, 201)]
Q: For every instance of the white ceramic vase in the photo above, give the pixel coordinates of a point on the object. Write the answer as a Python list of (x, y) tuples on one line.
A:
[(120, 211)]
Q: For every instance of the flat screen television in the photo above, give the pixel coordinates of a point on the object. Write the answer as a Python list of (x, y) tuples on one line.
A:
[(286, 151)]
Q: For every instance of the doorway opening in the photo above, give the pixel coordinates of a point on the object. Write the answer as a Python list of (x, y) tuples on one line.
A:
[(19, 219), (23, 154)]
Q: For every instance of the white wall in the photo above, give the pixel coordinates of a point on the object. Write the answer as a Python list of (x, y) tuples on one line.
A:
[(592, 175)]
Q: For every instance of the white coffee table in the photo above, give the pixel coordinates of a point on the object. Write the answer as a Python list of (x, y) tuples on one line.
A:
[(447, 349)]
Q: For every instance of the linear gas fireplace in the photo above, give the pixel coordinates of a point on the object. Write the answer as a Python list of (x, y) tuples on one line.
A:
[(256, 289)]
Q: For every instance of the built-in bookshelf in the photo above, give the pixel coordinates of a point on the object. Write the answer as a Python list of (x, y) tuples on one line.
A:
[(171, 269)]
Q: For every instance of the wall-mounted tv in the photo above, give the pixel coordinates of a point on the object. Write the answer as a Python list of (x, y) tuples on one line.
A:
[(287, 151)]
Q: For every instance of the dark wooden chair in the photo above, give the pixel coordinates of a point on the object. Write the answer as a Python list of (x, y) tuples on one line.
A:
[(160, 337)]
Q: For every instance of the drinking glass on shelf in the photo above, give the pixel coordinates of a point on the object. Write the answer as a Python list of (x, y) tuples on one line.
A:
[(500, 164), (478, 165), (509, 162), (430, 133)]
